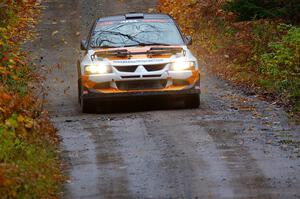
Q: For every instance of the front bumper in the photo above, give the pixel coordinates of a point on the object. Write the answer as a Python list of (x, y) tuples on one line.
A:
[(190, 84), (92, 94)]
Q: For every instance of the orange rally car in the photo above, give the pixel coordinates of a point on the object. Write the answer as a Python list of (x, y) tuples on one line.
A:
[(137, 55)]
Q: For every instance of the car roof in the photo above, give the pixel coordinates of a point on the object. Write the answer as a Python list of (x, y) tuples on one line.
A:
[(145, 16)]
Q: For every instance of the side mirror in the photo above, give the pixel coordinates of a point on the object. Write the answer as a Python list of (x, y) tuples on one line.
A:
[(83, 45), (188, 40)]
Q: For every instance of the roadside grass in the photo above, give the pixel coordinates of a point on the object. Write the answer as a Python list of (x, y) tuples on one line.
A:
[(29, 163), (261, 56)]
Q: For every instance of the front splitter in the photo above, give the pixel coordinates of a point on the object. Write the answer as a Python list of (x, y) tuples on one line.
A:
[(95, 95)]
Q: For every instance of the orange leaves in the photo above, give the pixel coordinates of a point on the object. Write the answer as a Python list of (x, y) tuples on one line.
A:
[(27, 137), (25, 14), (14, 71), (237, 51), (5, 96), (29, 116), (18, 17)]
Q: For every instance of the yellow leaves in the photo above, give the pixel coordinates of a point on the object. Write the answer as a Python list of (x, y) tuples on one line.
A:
[(20, 118), (54, 33), (151, 10), (15, 77), (28, 135), (64, 41), (19, 121), (11, 123), (29, 122), (2, 110), (11, 61)]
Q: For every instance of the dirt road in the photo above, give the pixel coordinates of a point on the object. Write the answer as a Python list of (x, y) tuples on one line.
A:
[(234, 146)]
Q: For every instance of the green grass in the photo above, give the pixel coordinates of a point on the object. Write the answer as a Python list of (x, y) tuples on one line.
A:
[(280, 65), (28, 169), (29, 164)]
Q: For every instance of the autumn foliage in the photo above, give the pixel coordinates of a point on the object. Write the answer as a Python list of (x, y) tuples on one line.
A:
[(29, 167), (260, 56)]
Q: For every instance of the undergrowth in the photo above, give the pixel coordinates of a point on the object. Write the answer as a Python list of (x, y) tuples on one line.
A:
[(29, 164), (260, 55), (280, 66)]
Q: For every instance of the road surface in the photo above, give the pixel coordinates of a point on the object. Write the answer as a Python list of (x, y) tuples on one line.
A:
[(233, 146)]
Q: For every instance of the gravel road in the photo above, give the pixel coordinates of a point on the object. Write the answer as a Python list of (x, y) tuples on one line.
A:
[(233, 146)]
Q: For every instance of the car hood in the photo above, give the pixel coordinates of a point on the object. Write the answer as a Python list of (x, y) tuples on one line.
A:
[(138, 55)]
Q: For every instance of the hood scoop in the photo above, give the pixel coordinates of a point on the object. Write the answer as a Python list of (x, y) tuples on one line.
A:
[(153, 51)]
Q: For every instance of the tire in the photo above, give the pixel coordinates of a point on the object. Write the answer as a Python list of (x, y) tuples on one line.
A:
[(192, 101), (86, 106)]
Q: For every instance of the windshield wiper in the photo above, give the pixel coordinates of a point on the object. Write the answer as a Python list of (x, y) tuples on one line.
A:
[(108, 46), (147, 44)]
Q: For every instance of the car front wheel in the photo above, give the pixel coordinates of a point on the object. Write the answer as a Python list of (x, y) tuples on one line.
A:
[(192, 101), (86, 106)]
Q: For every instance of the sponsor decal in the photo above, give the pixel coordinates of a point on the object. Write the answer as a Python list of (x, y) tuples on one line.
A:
[(106, 23), (129, 21), (142, 61), (156, 20)]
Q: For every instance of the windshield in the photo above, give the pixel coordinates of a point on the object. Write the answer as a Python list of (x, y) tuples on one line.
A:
[(135, 33)]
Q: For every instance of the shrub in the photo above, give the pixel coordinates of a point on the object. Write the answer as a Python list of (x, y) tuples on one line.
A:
[(29, 165), (257, 9), (281, 64)]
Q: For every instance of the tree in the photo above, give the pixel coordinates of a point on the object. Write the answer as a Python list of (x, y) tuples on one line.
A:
[(258, 9)]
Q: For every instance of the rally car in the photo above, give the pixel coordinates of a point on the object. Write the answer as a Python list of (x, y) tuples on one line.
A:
[(137, 55)]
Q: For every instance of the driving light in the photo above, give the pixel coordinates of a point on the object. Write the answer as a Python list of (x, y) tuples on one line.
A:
[(97, 69), (182, 65)]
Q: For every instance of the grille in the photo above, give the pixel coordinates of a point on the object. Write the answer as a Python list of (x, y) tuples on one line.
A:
[(150, 68), (130, 77), (126, 68), (155, 67), (151, 76), (141, 84)]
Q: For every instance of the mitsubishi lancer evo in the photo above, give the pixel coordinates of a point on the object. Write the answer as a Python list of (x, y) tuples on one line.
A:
[(137, 55)]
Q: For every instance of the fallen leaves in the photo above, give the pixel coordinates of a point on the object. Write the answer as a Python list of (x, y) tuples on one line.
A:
[(27, 137), (5, 96), (232, 48), (54, 33)]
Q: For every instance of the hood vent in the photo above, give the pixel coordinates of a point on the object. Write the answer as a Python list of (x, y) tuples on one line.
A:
[(134, 15)]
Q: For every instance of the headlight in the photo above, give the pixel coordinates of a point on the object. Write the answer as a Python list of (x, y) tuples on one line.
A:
[(182, 65), (97, 69)]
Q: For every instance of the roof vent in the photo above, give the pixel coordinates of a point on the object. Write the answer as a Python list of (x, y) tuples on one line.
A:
[(134, 15)]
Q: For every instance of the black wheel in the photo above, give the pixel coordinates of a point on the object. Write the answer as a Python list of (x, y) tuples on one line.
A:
[(192, 101), (86, 106)]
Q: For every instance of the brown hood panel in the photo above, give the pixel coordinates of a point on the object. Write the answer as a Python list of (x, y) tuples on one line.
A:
[(143, 49)]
